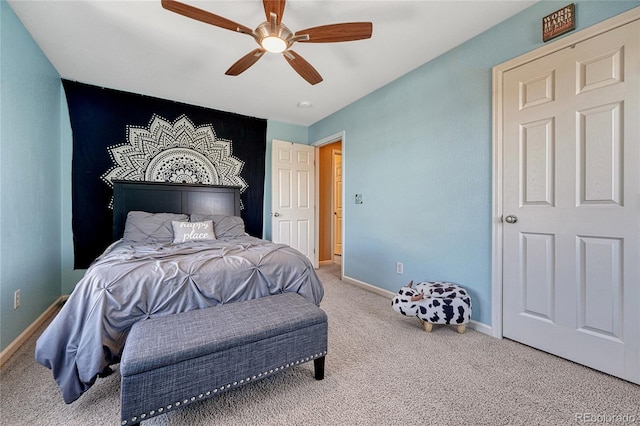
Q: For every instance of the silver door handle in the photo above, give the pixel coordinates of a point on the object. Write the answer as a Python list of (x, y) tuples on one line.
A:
[(276, 214), (511, 219)]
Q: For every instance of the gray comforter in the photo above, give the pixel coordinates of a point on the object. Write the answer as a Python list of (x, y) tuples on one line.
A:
[(128, 283)]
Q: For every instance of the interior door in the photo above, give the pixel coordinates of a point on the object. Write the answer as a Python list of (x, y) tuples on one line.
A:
[(337, 202), (293, 195), (571, 256)]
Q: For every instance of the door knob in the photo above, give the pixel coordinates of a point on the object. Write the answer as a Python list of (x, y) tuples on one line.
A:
[(276, 214), (511, 219)]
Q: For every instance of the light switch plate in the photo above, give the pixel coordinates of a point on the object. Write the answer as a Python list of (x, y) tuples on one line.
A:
[(358, 198)]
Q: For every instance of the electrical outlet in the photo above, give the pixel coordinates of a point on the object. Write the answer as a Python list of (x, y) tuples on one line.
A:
[(16, 299), (399, 268)]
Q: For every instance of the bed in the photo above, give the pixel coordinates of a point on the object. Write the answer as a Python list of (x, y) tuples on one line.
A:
[(152, 269)]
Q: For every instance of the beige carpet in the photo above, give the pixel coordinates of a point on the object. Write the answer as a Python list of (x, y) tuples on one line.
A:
[(382, 369)]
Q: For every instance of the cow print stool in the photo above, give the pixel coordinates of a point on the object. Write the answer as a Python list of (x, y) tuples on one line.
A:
[(435, 302)]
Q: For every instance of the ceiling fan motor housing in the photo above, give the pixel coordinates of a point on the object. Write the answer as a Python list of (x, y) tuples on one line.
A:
[(266, 29)]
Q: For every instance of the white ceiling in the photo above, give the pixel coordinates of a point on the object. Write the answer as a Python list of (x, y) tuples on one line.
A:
[(138, 46)]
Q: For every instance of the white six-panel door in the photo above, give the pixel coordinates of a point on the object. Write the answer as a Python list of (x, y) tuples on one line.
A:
[(571, 203), (293, 196)]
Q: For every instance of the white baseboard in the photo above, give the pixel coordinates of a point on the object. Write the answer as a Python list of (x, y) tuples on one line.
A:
[(19, 341), (481, 327), (369, 287), (477, 326)]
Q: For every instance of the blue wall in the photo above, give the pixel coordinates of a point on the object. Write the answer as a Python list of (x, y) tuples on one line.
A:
[(419, 150), (30, 199)]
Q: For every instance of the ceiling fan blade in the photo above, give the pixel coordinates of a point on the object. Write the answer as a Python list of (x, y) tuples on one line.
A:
[(245, 62), (204, 16), (332, 33), (274, 6), (302, 67)]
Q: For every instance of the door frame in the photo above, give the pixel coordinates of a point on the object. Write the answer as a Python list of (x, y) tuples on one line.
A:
[(497, 145), (340, 136), (335, 152)]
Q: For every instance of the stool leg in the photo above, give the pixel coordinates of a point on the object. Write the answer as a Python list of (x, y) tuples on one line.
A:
[(461, 328), (427, 326)]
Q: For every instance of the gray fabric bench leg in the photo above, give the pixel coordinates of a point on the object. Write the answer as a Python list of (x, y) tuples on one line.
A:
[(172, 361)]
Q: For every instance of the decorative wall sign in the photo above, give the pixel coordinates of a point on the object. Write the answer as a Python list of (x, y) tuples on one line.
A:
[(559, 22), (121, 135)]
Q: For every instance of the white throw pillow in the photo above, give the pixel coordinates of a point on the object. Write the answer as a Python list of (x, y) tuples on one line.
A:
[(192, 231)]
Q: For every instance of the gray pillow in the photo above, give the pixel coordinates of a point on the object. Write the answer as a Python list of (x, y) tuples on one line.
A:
[(224, 226), (144, 227)]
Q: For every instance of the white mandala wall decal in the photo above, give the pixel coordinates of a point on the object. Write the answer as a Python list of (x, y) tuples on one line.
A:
[(178, 152)]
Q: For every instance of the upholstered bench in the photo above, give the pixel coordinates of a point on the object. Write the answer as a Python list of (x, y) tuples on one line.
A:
[(435, 302), (174, 360)]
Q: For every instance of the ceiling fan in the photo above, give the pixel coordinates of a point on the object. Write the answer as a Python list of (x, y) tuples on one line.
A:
[(273, 36)]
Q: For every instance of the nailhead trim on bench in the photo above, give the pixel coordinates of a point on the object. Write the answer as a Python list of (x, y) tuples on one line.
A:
[(161, 410)]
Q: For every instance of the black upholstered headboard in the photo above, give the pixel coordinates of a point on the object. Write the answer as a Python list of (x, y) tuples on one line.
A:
[(161, 197)]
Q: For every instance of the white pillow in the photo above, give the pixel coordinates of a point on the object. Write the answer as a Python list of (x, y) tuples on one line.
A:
[(192, 231)]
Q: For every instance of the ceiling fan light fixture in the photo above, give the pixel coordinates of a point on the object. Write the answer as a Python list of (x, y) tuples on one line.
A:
[(273, 44)]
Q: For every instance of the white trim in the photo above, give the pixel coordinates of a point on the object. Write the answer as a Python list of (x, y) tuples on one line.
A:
[(329, 139), (373, 289), (496, 213), (28, 332), (497, 143), (340, 136), (481, 328)]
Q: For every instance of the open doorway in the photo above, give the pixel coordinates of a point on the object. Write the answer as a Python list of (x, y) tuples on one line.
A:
[(330, 203)]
